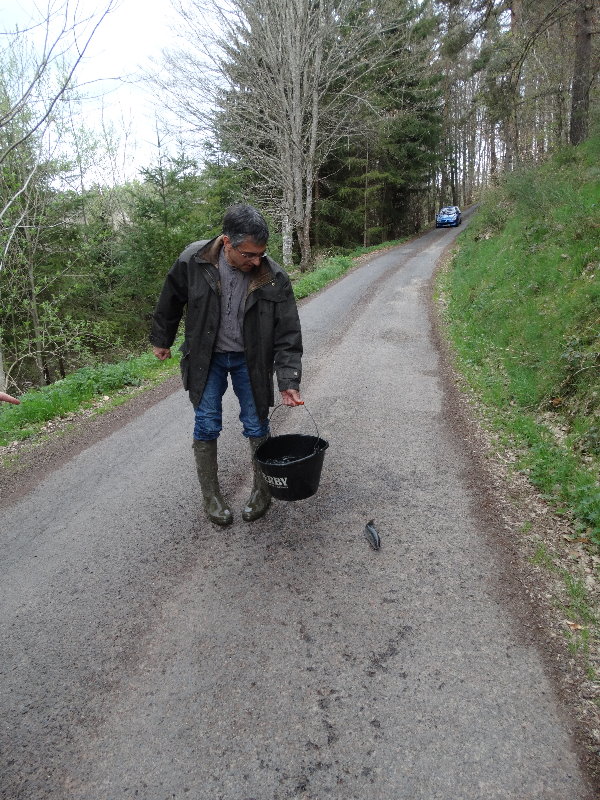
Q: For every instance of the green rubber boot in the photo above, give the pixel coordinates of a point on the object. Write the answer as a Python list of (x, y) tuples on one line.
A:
[(260, 496), (215, 505)]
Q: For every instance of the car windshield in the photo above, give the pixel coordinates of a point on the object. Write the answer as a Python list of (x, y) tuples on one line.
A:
[(448, 211)]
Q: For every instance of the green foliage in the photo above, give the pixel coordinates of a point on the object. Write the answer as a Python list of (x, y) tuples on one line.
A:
[(82, 275), (524, 312), (165, 215), (558, 471), (43, 330), (371, 188), (376, 195), (176, 204)]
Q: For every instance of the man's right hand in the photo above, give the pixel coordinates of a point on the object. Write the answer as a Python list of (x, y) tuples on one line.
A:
[(162, 353)]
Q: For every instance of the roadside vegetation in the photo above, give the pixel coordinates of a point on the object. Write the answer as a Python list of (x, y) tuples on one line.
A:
[(81, 390), (521, 303)]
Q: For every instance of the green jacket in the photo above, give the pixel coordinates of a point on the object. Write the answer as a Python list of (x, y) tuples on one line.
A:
[(272, 337)]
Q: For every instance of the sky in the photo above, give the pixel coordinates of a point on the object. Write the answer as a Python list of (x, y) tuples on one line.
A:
[(122, 46)]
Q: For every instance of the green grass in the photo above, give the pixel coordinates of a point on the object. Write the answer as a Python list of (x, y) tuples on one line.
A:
[(542, 558), (579, 605), (76, 391), (522, 303)]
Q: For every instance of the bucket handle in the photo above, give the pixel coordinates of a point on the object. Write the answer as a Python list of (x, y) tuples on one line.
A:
[(280, 405)]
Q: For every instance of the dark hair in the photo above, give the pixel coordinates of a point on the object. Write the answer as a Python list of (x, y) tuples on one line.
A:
[(245, 222)]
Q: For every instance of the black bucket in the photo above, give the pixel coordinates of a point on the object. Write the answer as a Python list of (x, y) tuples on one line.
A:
[(292, 464)]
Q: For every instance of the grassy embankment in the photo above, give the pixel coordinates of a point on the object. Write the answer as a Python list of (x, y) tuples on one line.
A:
[(522, 302), (104, 386), (521, 299)]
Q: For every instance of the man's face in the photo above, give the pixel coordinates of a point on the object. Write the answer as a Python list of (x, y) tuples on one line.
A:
[(244, 256)]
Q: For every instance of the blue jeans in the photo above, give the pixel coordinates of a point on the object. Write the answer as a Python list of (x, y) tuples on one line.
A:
[(209, 411)]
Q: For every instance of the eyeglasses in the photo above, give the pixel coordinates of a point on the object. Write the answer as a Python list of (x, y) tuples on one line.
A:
[(249, 256)]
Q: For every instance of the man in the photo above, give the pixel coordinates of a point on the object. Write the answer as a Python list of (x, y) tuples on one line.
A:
[(241, 320), (6, 398)]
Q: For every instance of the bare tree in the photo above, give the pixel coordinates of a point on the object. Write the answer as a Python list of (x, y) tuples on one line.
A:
[(283, 83), (38, 67), (43, 60)]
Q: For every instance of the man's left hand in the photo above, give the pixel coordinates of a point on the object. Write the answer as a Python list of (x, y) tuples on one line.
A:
[(291, 397)]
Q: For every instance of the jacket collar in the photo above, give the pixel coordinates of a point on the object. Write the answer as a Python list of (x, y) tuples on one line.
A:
[(260, 275), (210, 251)]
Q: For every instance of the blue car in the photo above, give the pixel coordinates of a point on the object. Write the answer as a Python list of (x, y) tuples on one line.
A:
[(449, 216)]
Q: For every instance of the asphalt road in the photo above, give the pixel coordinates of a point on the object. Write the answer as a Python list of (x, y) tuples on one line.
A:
[(147, 654)]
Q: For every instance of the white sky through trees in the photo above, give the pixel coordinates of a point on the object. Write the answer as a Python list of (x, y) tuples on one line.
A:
[(110, 72)]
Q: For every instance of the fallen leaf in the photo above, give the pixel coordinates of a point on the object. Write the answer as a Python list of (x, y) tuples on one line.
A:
[(574, 626), (575, 554)]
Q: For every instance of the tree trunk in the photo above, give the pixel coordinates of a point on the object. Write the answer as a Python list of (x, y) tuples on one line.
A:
[(316, 236), (580, 92), (2, 373), (471, 158), (37, 329), (35, 318), (365, 226), (453, 187), (304, 242), (516, 15), (311, 168), (510, 138), (287, 235), (493, 154)]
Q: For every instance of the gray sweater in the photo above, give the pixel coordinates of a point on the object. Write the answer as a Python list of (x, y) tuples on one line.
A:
[(234, 288)]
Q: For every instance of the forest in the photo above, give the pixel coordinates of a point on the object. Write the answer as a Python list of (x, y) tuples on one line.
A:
[(347, 122)]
